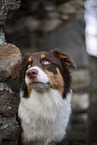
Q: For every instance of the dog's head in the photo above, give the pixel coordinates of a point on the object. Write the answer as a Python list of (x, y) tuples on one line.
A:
[(44, 70)]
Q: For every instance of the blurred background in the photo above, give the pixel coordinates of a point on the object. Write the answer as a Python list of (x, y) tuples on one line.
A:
[(69, 26)]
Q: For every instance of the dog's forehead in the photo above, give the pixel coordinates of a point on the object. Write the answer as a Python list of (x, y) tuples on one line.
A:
[(40, 55)]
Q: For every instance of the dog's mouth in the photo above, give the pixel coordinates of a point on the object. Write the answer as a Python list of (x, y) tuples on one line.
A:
[(39, 86), (38, 83)]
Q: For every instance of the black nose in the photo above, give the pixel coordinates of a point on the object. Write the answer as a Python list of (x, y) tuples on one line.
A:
[(32, 73)]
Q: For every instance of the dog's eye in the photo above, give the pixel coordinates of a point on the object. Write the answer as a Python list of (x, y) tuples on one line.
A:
[(29, 65), (45, 62)]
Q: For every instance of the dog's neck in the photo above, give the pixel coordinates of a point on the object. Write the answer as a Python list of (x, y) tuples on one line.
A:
[(43, 96), (45, 104)]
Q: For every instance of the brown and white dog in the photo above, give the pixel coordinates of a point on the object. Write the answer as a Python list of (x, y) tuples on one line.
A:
[(45, 95)]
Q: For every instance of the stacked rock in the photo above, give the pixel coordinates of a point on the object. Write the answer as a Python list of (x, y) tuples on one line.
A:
[(9, 101)]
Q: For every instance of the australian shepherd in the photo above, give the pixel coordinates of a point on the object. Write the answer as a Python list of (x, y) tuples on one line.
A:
[(45, 95)]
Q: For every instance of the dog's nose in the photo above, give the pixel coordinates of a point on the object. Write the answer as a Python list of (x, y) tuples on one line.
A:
[(32, 73)]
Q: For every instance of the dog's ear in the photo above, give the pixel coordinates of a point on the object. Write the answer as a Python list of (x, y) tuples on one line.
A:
[(16, 70), (65, 58)]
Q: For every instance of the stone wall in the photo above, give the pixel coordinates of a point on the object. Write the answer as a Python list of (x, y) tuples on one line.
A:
[(34, 27), (9, 101)]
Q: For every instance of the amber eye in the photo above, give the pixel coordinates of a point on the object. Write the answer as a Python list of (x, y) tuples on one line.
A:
[(46, 62)]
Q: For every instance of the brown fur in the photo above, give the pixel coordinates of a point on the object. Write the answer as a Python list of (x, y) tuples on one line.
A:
[(29, 59), (65, 64), (56, 80), (65, 58), (29, 90), (43, 56)]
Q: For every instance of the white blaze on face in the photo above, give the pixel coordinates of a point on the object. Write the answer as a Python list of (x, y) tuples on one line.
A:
[(41, 76)]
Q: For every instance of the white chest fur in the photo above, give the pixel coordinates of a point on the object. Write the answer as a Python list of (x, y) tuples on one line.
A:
[(44, 116)]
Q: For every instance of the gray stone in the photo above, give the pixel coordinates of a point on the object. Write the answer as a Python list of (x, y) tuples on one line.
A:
[(9, 128), (80, 80), (76, 136), (1, 138), (70, 8), (80, 102), (2, 37), (8, 103), (4, 87), (79, 118), (9, 142), (9, 56), (5, 5)]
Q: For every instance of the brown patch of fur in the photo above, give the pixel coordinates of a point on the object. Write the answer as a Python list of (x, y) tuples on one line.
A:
[(29, 59), (43, 56), (56, 80), (22, 139), (29, 90), (65, 57)]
